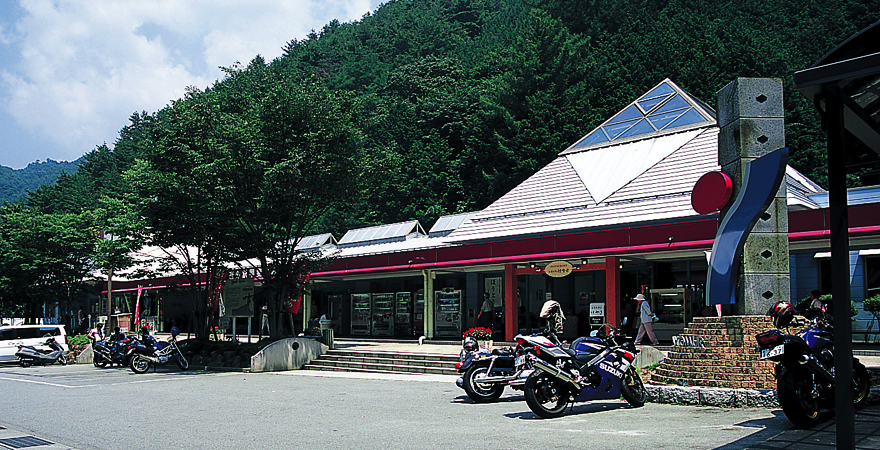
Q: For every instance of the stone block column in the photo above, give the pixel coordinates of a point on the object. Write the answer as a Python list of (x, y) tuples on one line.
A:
[(751, 117)]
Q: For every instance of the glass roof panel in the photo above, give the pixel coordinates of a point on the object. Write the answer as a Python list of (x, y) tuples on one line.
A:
[(641, 127), (662, 89), (617, 129), (676, 102), (441, 223), (688, 118), (661, 120), (630, 113), (665, 107), (595, 137), (649, 104)]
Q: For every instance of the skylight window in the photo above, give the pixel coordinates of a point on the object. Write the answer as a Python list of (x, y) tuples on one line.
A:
[(663, 108)]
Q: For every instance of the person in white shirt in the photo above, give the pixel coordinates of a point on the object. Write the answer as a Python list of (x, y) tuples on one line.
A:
[(647, 318)]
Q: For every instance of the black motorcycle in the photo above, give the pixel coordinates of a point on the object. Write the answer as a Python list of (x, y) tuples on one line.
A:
[(151, 352), (485, 373), (113, 351), (805, 367), (29, 355), (593, 368)]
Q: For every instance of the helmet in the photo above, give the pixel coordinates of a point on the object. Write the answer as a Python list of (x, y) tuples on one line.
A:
[(470, 344), (782, 314), (175, 331)]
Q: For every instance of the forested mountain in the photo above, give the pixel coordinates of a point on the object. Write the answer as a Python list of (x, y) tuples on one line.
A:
[(469, 97), (15, 183)]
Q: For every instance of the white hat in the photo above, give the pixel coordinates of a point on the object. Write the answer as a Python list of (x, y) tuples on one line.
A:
[(640, 297)]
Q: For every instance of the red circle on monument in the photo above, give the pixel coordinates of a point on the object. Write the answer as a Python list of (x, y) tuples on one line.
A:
[(712, 192)]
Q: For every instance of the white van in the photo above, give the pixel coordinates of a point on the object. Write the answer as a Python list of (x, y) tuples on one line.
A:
[(11, 337)]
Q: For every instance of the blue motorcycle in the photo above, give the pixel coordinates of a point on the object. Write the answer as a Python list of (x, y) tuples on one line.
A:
[(804, 368), (597, 367), (151, 352)]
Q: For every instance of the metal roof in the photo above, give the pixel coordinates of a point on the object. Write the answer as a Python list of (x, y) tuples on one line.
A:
[(381, 234), (315, 242)]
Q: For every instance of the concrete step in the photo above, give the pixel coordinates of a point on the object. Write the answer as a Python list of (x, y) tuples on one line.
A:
[(384, 362)]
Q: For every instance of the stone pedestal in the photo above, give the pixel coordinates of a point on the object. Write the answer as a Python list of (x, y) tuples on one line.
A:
[(718, 352)]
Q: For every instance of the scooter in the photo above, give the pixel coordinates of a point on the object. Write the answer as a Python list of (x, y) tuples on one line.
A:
[(29, 355)]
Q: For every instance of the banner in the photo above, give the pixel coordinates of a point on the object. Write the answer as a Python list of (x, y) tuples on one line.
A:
[(137, 306)]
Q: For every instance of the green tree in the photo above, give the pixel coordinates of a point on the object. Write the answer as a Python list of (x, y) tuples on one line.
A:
[(44, 259), (244, 170)]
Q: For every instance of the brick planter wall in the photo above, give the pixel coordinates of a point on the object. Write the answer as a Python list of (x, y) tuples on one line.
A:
[(727, 358)]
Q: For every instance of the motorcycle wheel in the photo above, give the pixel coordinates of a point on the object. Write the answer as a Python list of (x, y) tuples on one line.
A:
[(182, 362), (24, 362), (632, 389), (139, 364), (62, 360), (546, 396), (481, 393), (861, 384), (795, 390), (99, 361)]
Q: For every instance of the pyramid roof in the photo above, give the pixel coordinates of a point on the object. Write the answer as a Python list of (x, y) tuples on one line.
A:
[(638, 166)]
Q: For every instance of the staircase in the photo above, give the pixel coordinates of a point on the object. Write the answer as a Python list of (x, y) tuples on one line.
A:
[(376, 361), (718, 352)]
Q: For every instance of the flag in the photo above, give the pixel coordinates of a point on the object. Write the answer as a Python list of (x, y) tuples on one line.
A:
[(137, 306)]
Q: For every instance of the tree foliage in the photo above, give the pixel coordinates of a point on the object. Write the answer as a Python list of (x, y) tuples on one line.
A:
[(244, 169)]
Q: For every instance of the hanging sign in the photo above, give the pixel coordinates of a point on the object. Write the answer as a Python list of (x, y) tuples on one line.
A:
[(558, 269)]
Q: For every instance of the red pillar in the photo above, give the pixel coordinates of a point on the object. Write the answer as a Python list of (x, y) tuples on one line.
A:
[(612, 289), (511, 304)]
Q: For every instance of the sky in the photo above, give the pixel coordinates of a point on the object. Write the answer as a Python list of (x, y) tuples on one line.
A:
[(72, 72)]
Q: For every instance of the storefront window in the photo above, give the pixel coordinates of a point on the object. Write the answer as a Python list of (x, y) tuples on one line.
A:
[(872, 276)]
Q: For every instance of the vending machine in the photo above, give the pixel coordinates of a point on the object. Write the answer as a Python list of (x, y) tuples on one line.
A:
[(419, 314), (360, 315), (403, 314), (383, 314), (447, 321)]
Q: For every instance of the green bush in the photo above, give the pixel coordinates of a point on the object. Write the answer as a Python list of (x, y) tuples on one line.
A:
[(872, 304), (79, 339)]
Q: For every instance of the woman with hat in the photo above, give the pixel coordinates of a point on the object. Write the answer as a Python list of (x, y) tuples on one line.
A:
[(647, 318)]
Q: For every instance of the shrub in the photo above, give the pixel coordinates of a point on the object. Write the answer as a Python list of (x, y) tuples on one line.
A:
[(872, 304)]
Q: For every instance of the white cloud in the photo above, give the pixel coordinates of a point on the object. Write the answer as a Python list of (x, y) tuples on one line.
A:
[(82, 67)]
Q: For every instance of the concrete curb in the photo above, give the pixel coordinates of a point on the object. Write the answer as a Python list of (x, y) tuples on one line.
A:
[(723, 397)]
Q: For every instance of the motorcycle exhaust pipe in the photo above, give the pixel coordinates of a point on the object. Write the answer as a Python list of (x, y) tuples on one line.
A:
[(814, 365), (556, 372), (501, 379)]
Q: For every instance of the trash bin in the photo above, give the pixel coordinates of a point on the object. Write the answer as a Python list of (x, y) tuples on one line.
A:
[(324, 324)]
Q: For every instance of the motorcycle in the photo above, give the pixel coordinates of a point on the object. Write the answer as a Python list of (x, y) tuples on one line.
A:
[(804, 368), (594, 367), (485, 373), (113, 352), (29, 355), (151, 352)]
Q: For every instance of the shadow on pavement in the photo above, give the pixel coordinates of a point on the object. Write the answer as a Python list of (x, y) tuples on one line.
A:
[(822, 436)]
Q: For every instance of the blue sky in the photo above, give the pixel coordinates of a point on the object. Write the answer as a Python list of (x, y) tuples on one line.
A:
[(72, 72)]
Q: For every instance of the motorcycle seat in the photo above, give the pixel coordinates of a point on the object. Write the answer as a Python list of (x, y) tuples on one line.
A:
[(503, 352)]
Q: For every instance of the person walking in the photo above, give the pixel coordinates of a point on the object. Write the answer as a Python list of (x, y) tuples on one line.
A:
[(647, 318)]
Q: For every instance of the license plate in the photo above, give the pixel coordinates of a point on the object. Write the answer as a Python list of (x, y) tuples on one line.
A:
[(771, 352), (520, 360)]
